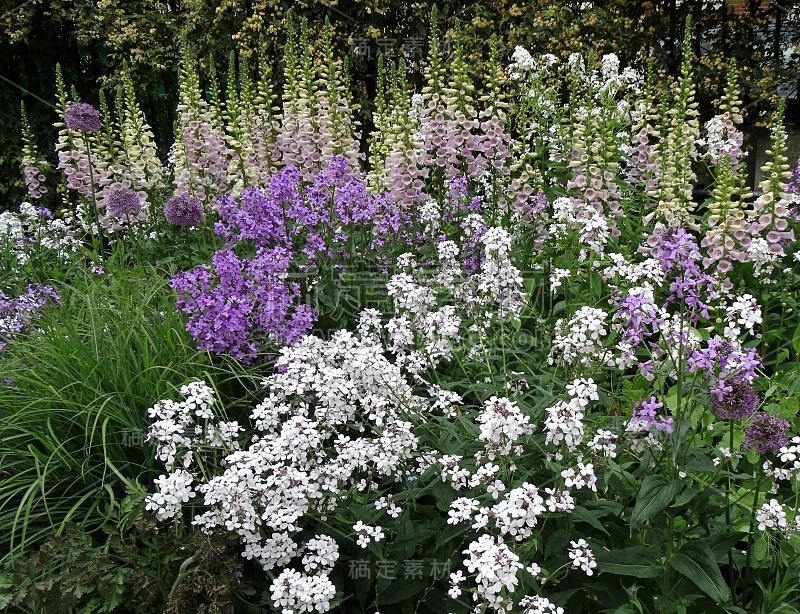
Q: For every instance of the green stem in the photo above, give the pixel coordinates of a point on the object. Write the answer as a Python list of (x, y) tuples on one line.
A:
[(182, 573), (97, 242), (728, 514), (750, 537), (665, 584)]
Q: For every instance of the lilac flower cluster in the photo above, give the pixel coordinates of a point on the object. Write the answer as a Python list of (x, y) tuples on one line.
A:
[(18, 313), (237, 306), (678, 252), (294, 227), (727, 365), (297, 216), (646, 418)]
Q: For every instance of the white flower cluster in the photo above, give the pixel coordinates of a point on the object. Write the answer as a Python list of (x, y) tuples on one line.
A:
[(556, 277), (582, 557), (564, 422), (580, 339), (516, 515), (174, 490), (722, 138), (497, 293), (366, 533), (293, 591), (771, 515), (387, 503), (745, 312), (763, 258), (321, 553), (452, 472), (790, 455), (647, 272), (496, 569), (24, 234), (604, 442), (539, 605), (176, 429), (502, 423), (522, 62), (575, 215), (584, 477), (422, 333), (334, 413)]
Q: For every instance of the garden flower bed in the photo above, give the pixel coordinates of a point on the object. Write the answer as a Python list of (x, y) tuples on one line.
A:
[(502, 360)]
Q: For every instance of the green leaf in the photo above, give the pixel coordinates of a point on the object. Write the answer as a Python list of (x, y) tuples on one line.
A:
[(721, 543), (697, 563), (796, 339), (656, 494), (760, 548), (556, 543), (581, 514), (637, 561), (400, 590)]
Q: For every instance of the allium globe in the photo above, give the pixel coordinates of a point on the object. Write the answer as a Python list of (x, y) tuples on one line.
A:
[(737, 401), (766, 433), (184, 210), (82, 117), (121, 201)]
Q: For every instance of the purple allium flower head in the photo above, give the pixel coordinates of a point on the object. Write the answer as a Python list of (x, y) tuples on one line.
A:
[(766, 433), (738, 401), (82, 117), (121, 201), (184, 210)]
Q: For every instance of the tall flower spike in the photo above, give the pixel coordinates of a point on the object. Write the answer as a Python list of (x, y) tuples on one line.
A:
[(770, 216), (402, 171), (644, 158), (142, 167), (33, 166), (682, 131), (727, 238), (200, 153), (85, 174)]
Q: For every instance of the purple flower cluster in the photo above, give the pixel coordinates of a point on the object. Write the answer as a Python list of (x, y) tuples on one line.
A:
[(737, 401), (642, 318), (238, 304), (678, 253), (18, 313), (241, 307), (82, 117), (312, 219), (645, 414), (184, 210), (766, 433), (122, 202), (724, 364)]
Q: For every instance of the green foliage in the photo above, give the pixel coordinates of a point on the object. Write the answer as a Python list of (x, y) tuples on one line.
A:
[(127, 565), (76, 397)]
